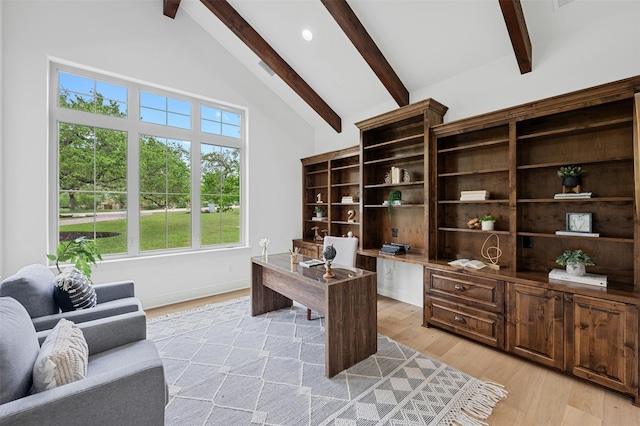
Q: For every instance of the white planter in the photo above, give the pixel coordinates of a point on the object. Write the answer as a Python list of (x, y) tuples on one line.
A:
[(487, 225), (576, 269)]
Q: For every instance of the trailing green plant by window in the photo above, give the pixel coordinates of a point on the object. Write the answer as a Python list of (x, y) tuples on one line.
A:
[(81, 252)]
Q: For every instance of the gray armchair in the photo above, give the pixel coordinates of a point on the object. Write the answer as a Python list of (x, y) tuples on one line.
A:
[(125, 383), (33, 287)]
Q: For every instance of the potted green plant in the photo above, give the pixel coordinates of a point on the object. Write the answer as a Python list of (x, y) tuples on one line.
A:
[(575, 261), (82, 252), (394, 199), (319, 211), (487, 222), (571, 175)]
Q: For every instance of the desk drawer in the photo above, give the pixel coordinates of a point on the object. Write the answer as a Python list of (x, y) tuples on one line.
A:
[(485, 327), (478, 292)]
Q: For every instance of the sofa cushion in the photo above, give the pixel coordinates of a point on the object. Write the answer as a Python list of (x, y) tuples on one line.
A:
[(18, 350), (63, 357), (74, 291), (32, 286)]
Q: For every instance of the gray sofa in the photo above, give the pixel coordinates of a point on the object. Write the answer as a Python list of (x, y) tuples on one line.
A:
[(125, 382), (33, 287)]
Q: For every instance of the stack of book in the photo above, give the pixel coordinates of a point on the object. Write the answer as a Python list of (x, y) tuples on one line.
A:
[(592, 279), (572, 195), (347, 199), (474, 195)]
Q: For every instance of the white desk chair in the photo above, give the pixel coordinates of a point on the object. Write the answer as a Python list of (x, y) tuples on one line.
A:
[(346, 249)]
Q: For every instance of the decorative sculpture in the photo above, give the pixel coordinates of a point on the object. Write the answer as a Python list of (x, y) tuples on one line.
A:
[(317, 235), (329, 253)]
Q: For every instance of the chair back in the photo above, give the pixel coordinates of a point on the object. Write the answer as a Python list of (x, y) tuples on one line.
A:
[(345, 249)]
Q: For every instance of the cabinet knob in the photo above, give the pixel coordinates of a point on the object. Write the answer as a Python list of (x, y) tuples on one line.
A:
[(568, 300), (459, 319), (459, 287)]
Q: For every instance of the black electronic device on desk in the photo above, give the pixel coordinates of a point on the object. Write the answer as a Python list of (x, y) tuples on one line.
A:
[(394, 248)]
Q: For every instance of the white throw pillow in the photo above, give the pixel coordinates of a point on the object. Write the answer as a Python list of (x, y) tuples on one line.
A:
[(63, 357)]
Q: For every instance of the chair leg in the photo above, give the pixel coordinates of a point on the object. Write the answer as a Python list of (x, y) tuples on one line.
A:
[(308, 314)]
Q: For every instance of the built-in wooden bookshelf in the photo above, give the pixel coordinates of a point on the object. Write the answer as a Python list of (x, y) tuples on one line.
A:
[(334, 179), (588, 331), (397, 139)]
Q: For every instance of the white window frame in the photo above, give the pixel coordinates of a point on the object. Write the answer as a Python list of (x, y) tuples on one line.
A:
[(134, 128)]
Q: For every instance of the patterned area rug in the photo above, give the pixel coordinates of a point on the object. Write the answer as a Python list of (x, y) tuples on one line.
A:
[(225, 367)]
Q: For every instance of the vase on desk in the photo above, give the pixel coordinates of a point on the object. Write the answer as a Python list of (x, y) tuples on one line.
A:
[(265, 255)]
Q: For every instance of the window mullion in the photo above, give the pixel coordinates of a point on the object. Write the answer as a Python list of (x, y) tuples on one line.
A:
[(133, 175)]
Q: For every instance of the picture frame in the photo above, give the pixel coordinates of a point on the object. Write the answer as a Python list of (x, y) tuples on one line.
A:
[(580, 222)]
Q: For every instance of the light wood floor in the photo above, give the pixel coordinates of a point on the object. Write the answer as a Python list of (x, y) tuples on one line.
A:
[(537, 395)]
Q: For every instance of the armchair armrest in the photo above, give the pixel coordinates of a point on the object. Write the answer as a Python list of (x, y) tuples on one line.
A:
[(115, 290), (101, 310), (108, 333)]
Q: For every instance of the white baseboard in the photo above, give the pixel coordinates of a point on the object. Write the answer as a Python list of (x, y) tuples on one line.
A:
[(197, 293)]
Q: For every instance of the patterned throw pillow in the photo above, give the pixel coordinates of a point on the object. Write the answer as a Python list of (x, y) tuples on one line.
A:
[(74, 291), (63, 357)]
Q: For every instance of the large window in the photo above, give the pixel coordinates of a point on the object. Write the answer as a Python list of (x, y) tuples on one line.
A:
[(142, 169)]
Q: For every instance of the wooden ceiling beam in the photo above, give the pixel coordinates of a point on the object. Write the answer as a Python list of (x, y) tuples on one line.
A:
[(170, 8), (517, 28), (241, 28), (357, 33)]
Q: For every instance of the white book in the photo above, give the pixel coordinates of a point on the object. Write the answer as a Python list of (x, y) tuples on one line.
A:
[(478, 192), (473, 198), (578, 234), (573, 195), (466, 263), (311, 263), (592, 279), (319, 218)]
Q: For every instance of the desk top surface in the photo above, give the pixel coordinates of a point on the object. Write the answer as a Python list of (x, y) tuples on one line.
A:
[(281, 262)]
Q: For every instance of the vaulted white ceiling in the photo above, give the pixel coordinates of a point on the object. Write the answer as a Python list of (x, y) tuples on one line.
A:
[(425, 42)]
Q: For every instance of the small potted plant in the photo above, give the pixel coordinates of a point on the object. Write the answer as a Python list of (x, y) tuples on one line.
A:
[(571, 175), (319, 211), (487, 222), (394, 199), (82, 252), (575, 262)]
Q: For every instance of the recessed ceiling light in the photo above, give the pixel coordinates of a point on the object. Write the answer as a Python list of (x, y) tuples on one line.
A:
[(307, 35)]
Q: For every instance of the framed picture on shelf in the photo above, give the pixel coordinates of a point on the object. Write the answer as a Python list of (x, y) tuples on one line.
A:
[(580, 222)]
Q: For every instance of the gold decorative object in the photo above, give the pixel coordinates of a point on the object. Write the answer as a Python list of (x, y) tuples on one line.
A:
[(406, 177), (351, 216), (566, 189)]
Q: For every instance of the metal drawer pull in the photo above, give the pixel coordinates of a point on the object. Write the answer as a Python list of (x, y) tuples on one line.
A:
[(459, 287), (459, 319)]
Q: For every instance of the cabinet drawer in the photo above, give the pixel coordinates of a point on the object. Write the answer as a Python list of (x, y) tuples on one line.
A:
[(479, 292), (485, 327)]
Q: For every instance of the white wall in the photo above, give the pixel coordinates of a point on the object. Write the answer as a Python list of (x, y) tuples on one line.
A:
[(606, 51), (134, 39), (2, 178)]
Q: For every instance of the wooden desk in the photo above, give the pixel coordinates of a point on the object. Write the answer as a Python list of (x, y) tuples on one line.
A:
[(348, 303)]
